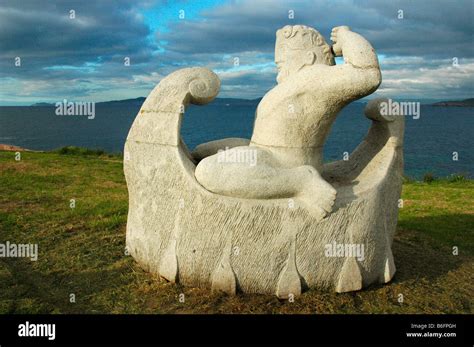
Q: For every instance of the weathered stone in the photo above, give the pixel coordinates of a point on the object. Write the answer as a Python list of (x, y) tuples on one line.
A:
[(267, 215), (289, 282), (223, 277)]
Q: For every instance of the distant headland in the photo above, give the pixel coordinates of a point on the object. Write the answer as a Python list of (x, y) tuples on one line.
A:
[(458, 103), (140, 100), (235, 101)]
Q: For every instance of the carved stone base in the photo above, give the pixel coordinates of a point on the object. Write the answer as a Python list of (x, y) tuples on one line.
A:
[(183, 232)]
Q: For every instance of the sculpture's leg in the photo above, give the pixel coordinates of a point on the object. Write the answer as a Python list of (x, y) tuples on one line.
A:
[(253, 173), (210, 148)]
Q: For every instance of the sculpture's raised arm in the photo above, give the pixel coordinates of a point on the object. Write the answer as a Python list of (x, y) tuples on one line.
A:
[(355, 49), (360, 74)]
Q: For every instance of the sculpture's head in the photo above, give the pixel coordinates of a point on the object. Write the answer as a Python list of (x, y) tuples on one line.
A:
[(299, 46)]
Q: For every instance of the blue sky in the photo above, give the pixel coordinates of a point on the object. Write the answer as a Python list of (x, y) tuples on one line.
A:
[(82, 58)]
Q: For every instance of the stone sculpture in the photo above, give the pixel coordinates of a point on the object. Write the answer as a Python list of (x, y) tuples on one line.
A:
[(267, 215)]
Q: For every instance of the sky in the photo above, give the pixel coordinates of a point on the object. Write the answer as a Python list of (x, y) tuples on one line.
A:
[(78, 50)]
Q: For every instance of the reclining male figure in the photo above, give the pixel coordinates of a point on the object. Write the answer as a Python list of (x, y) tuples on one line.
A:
[(293, 120)]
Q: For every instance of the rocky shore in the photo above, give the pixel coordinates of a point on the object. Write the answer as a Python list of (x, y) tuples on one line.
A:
[(12, 148)]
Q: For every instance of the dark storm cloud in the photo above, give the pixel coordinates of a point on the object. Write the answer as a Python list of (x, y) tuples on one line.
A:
[(42, 34), (84, 56), (428, 28)]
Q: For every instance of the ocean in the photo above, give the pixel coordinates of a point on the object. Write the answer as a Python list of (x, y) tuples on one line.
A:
[(429, 141)]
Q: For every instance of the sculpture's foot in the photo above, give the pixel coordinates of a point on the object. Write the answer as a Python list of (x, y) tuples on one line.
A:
[(318, 195)]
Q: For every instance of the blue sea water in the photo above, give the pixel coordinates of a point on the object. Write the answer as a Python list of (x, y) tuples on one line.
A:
[(429, 141)]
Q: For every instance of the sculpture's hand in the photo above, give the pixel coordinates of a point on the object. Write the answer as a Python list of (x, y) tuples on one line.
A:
[(337, 37)]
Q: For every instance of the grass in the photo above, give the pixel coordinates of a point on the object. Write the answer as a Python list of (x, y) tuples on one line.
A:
[(81, 249)]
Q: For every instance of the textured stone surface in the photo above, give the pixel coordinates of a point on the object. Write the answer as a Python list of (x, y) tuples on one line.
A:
[(207, 219), (210, 148)]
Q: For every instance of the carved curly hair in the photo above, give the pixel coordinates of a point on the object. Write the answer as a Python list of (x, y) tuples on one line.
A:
[(304, 37)]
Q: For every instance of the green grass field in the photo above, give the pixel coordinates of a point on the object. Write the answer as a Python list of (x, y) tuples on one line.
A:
[(82, 249)]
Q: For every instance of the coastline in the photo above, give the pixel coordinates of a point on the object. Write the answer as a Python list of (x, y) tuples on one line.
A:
[(13, 148)]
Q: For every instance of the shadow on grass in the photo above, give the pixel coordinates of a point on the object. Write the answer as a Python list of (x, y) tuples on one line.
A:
[(428, 249), (95, 290), (449, 230), (424, 267)]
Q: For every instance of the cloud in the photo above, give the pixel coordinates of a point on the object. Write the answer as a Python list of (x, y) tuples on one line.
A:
[(425, 29), (65, 57), (44, 36), (427, 80)]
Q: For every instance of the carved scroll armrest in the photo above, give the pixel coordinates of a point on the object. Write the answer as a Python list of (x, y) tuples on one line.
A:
[(385, 130), (160, 117)]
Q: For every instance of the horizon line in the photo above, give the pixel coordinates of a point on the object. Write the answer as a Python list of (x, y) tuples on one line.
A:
[(38, 104)]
